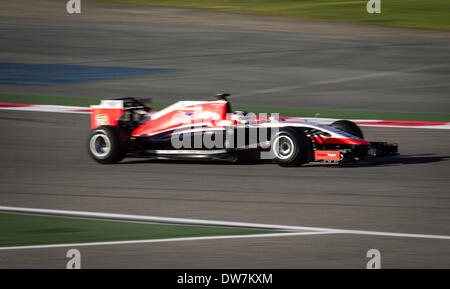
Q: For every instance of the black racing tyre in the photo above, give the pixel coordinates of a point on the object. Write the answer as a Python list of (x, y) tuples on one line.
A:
[(349, 127), (290, 147), (108, 144)]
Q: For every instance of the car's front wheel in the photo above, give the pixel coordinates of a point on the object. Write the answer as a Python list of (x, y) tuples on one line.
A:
[(108, 144), (290, 147), (349, 127)]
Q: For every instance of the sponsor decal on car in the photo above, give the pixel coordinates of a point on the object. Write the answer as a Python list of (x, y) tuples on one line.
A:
[(101, 119), (327, 155)]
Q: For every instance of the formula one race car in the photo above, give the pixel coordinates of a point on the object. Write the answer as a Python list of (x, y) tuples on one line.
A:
[(210, 130)]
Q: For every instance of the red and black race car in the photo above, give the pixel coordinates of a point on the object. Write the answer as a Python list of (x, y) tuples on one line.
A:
[(210, 130)]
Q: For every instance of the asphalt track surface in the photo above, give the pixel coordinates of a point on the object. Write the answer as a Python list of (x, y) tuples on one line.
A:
[(44, 163)]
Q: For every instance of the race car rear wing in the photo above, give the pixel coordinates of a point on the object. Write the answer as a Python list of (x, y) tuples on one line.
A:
[(117, 111)]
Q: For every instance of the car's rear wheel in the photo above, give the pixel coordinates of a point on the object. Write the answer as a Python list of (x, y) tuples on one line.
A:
[(108, 144), (290, 147), (349, 127)]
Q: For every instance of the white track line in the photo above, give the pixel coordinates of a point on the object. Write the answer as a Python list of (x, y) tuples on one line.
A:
[(153, 219), (51, 108), (439, 126), (217, 223), (165, 240)]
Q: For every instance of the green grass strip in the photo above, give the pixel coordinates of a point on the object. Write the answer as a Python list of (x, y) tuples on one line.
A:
[(421, 14), (24, 230), (341, 114)]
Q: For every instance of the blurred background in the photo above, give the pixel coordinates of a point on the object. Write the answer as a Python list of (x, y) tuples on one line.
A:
[(306, 58)]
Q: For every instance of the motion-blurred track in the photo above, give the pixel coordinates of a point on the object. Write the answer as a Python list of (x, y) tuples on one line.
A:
[(44, 164), (302, 64)]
